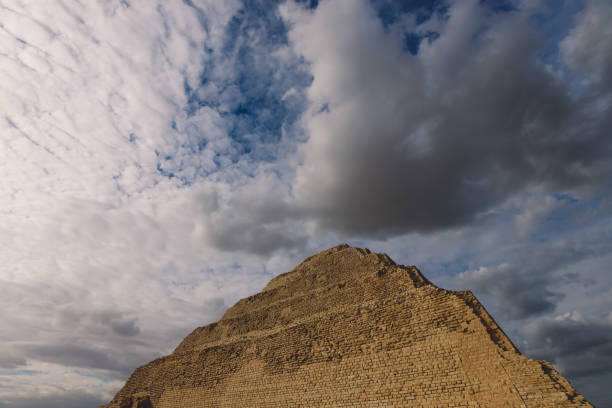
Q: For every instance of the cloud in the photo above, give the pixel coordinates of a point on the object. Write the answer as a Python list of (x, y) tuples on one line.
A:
[(76, 356), (10, 358), (519, 293), (102, 159), (37, 385), (578, 346), (61, 400), (375, 141), (254, 217), (588, 47), (535, 277), (533, 211), (400, 142)]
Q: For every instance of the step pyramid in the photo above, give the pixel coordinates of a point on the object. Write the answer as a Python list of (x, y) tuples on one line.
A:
[(349, 328)]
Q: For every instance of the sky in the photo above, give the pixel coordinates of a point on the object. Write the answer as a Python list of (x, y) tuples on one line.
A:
[(161, 160)]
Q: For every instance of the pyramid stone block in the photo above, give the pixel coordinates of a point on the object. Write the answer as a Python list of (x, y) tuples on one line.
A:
[(349, 328)]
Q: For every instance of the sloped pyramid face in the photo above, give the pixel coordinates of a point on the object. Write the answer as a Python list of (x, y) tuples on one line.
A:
[(349, 328)]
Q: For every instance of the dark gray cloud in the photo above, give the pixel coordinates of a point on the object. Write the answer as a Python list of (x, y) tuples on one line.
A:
[(257, 218), (127, 328), (514, 292), (107, 321), (11, 359), (400, 142), (534, 278), (75, 399), (572, 342), (430, 141), (579, 347), (118, 362), (117, 323)]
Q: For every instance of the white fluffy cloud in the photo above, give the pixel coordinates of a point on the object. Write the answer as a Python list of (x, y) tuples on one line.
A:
[(102, 265)]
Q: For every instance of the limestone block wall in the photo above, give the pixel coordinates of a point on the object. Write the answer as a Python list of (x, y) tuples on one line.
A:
[(349, 328)]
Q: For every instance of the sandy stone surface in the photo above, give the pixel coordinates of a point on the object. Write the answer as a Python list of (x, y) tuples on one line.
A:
[(349, 328)]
